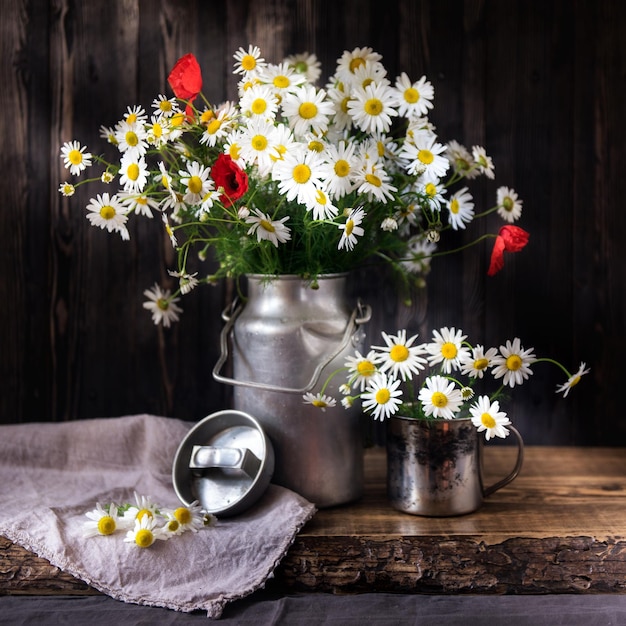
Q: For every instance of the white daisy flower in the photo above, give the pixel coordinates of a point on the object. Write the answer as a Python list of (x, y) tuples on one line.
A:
[(108, 133), (102, 521), (461, 209), (281, 78), (157, 131), (413, 99), (488, 418), (419, 255), (108, 213), (164, 106), (196, 180), (425, 156), (184, 518), (131, 138), (483, 162), (476, 363), (162, 306), (400, 356), (319, 400), (434, 191), (447, 348), (248, 61), (259, 101), (509, 205), (67, 189), (372, 108), (361, 369), (168, 229), (440, 397), (337, 168), (382, 396), (351, 229), (144, 532), (513, 363), (299, 175), (307, 110), (141, 204), (462, 161), (389, 224), (257, 144), (133, 173), (186, 282), (350, 61), (268, 229), (372, 179), (322, 207), (135, 116), (572, 380), (307, 64), (74, 157)]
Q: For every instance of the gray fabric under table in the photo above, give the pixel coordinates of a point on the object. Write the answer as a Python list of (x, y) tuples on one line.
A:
[(320, 609)]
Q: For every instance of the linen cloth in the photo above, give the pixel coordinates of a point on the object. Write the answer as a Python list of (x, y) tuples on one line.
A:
[(51, 474)]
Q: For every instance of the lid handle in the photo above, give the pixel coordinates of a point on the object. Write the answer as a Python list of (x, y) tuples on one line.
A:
[(205, 457)]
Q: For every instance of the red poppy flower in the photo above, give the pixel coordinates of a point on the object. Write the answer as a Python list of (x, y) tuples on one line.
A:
[(509, 239), (185, 79), (229, 177)]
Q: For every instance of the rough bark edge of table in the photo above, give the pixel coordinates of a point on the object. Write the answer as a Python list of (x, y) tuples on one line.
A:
[(398, 564)]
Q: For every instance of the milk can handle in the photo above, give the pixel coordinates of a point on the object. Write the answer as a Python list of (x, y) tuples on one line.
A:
[(518, 466), (361, 314)]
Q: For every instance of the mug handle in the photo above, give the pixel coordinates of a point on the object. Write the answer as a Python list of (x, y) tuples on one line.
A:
[(487, 491)]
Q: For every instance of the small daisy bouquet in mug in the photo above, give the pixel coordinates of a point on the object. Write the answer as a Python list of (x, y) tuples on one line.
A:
[(290, 178), (439, 379)]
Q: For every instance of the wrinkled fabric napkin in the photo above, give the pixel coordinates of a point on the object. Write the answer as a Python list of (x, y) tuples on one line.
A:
[(51, 474)]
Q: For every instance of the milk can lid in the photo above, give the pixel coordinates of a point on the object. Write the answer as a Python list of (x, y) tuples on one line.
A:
[(226, 461)]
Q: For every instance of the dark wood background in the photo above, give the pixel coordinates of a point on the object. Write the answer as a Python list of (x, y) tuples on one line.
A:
[(540, 83)]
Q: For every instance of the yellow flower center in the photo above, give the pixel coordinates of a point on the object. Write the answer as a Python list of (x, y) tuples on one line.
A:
[(372, 179), (206, 116), (301, 173), (430, 189), (365, 368), (454, 206), (248, 62), (382, 396), (177, 119), (106, 525), (164, 305), (342, 168), (349, 227), (399, 353), (487, 420), (157, 131), (373, 106), (513, 362), (282, 82), (411, 95), (425, 156), (144, 538), (143, 512), (131, 118), (132, 171), (131, 138), (165, 106), (316, 146), (213, 126), (481, 364), (307, 110), (439, 399), (75, 157), (356, 63), (173, 525), (195, 184), (268, 226), (107, 212), (575, 381), (380, 148), (320, 404), (344, 104), (321, 197), (448, 350), (183, 515), (259, 142), (234, 152), (142, 200), (259, 106)]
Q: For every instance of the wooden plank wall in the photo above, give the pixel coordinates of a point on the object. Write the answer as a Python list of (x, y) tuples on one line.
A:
[(541, 84)]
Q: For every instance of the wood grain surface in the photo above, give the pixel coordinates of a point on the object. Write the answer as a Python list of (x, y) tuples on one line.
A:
[(558, 528)]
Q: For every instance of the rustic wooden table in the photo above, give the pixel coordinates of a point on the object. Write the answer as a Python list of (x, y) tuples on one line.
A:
[(559, 527)]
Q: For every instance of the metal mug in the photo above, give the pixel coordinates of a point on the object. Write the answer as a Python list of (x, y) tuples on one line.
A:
[(434, 467)]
